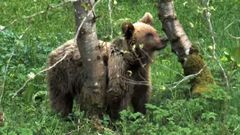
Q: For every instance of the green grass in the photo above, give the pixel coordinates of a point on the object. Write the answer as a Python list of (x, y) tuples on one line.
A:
[(169, 111)]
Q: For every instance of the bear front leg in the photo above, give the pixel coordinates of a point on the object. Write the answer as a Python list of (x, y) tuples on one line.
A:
[(61, 102), (114, 107), (117, 100), (140, 98)]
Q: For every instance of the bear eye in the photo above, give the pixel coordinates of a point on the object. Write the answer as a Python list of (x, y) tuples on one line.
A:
[(149, 35)]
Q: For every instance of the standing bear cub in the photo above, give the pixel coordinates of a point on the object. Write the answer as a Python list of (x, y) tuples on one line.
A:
[(129, 66), (127, 60)]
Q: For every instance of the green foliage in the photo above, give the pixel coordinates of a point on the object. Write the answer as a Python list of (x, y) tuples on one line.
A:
[(25, 44)]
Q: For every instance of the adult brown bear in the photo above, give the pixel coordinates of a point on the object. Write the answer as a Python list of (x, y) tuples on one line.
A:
[(130, 53), (66, 79)]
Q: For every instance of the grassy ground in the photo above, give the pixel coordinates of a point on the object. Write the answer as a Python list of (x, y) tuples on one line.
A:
[(25, 44)]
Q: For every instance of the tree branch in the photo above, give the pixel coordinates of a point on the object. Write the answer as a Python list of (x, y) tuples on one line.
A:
[(209, 22), (32, 76), (188, 77), (5, 77)]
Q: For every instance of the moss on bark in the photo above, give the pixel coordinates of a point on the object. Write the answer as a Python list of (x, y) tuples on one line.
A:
[(202, 81)]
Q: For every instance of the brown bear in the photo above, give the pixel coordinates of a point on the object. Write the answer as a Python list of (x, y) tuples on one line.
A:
[(66, 78), (129, 66), (127, 60)]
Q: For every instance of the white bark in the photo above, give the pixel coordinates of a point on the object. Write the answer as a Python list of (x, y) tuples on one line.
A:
[(92, 93)]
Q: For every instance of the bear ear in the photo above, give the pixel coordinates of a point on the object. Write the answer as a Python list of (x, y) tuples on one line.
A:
[(127, 29), (147, 18)]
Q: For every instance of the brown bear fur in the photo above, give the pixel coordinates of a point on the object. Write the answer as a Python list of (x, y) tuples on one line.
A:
[(66, 79)]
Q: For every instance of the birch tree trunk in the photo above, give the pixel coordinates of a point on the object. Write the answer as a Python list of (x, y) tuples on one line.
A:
[(78, 11), (189, 56), (92, 93)]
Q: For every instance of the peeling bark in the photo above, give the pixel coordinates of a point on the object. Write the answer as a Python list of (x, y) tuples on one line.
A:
[(92, 94), (189, 56)]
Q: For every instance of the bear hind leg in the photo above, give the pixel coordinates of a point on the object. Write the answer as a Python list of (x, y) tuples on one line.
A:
[(62, 103)]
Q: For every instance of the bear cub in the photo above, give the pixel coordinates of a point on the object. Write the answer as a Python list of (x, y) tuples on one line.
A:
[(129, 66)]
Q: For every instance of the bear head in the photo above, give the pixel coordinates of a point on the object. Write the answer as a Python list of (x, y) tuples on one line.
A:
[(143, 35)]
